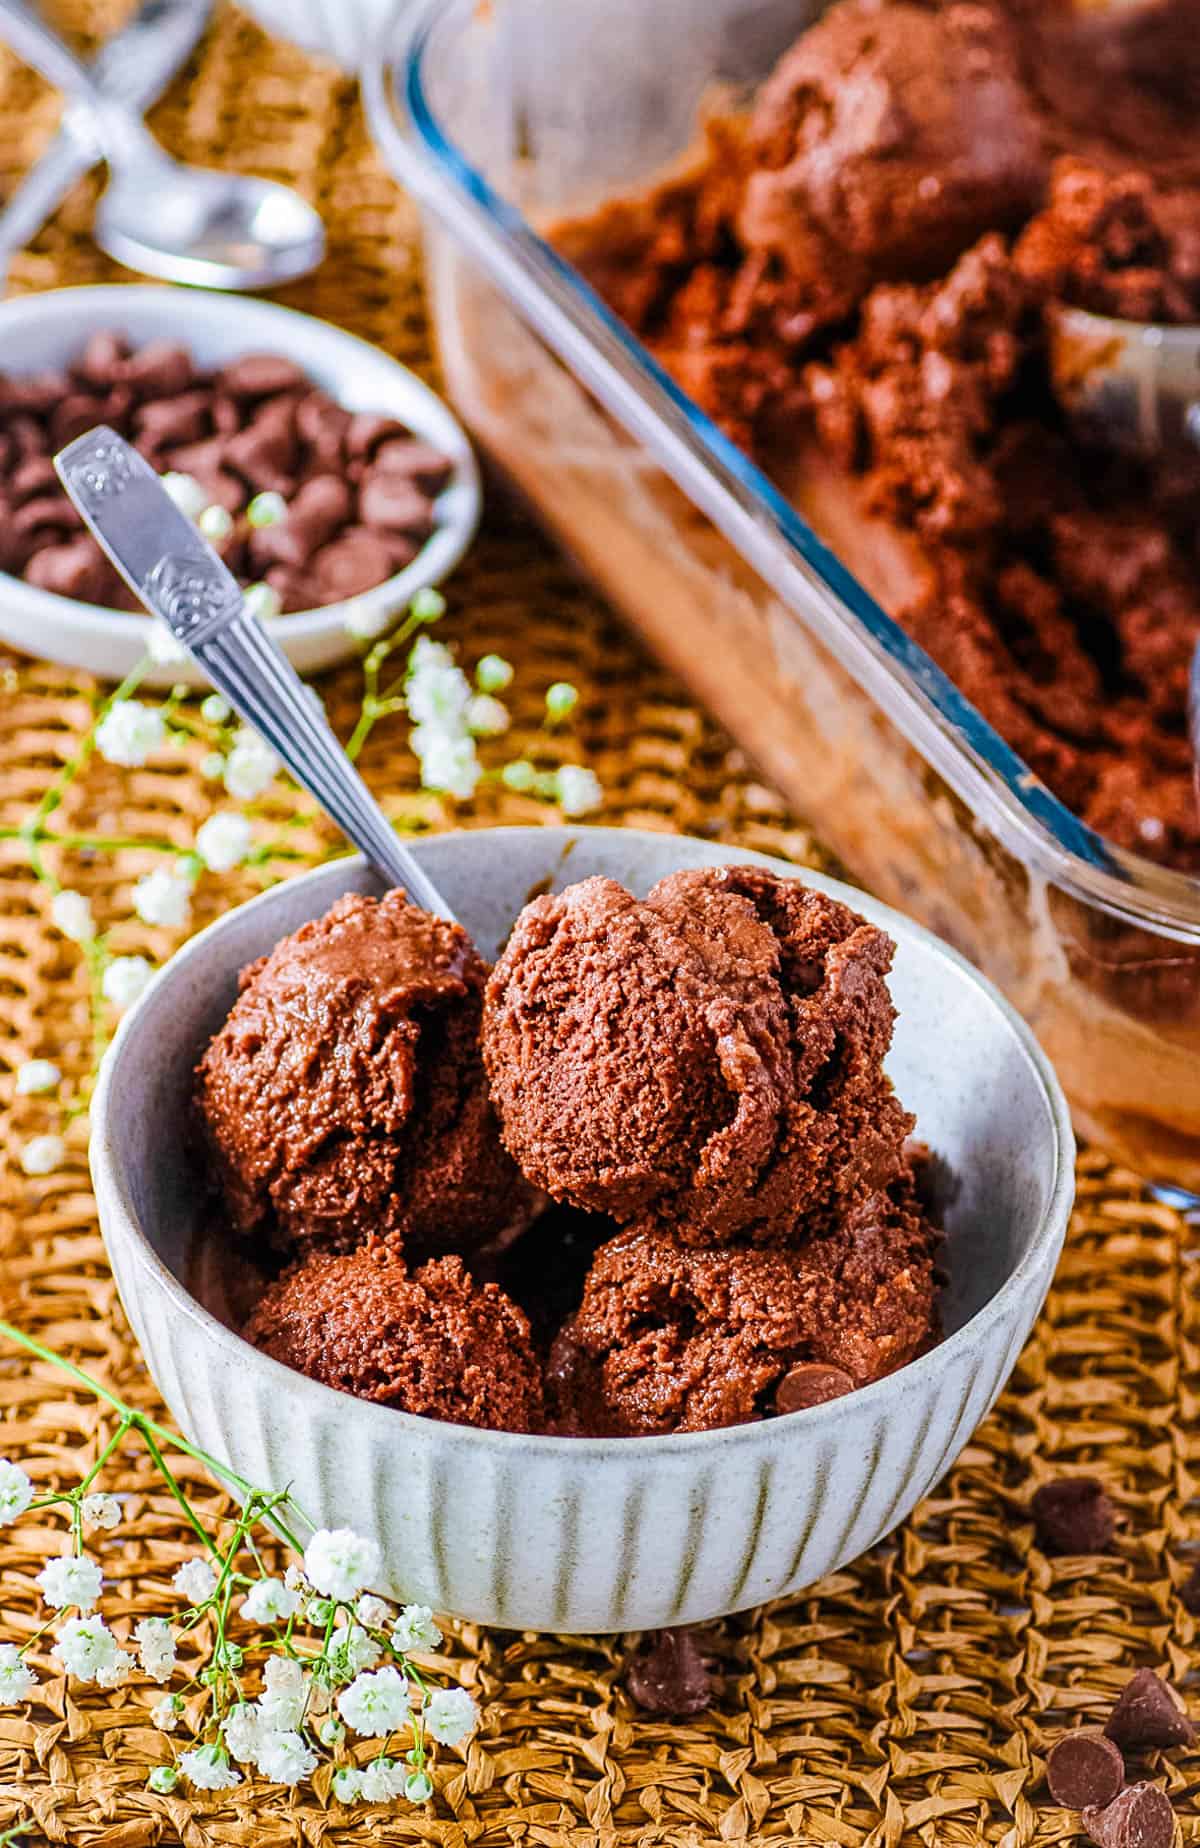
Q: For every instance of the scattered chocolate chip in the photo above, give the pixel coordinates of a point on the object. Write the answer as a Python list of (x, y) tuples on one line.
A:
[(1189, 1591), (1149, 1713), (77, 569), (1085, 1769), (102, 360), (321, 508), (367, 429), (811, 1383), (420, 461), (48, 513), (670, 1674), (174, 420), (1141, 1817), (1074, 1514), (159, 370), (32, 478)]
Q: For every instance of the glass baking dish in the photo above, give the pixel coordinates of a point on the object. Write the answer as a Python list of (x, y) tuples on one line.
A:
[(501, 118)]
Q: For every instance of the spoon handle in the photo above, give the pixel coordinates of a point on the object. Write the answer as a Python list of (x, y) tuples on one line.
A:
[(117, 127), (168, 563)]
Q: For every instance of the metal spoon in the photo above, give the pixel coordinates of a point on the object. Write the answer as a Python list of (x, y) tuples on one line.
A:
[(185, 224), (1131, 385), (168, 563)]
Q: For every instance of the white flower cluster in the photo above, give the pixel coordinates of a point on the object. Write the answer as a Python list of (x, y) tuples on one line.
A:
[(439, 700)]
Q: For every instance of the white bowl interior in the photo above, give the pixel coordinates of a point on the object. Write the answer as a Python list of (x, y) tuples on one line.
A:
[(47, 331), (960, 1061)]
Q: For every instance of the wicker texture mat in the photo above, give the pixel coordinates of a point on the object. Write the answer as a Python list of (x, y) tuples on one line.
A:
[(909, 1698)]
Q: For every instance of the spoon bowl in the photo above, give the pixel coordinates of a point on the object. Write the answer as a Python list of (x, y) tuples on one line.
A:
[(1130, 385), (212, 230)]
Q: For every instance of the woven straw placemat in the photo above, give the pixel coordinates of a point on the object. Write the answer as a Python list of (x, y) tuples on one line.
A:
[(908, 1699)]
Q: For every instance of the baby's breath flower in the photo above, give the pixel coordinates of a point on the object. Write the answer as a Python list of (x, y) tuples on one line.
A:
[(383, 1780), (450, 1716), (36, 1076), (242, 1731), (250, 767), (194, 1580), (163, 897), (16, 1492), (87, 1648), (447, 763), (366, 621), (128, 732), (493, 674), (163, 647), (346, 1783), (353, 1648), (487, 717), (43, 1155), (165, 1712), (376, 1704), (331, 1732), (162, 1780), (72, 1579), (372, 1611), (215, 522), (415, 1630), (156, 1647), (418, 1786), (293, 1578), (427, 604), (223, 841), (186, 492), (215, 707), (262, 601), (267, 509), (17, 1679), (282, 1703), (270, 1601), (284, 1758), (71, 913), (436, 692), (561, 700), (124, 980), (209, 1769), (318, 1611), (519, 775), (212, 766), (100, 1510), (112, 1674), (340, 1563), (578, 790)]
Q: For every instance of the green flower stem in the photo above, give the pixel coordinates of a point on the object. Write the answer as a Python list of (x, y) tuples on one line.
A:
[(59, 785), (156, 1434)]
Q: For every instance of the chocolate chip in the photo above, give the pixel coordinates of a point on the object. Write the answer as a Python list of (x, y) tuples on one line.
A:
[(354, 563), (1141, 1817), (318, 510), (1085, 1770), (394, 502), (28, 435), (37, 476), (78, 569), (670, 1674), (77, 412), (424, 464), (264, 454), (322, 424), (811, 1383), (175, 420), (261, 375), (1189, 1591), (37, 393), (226, 415), (159, 370), (291, 587), (1149, 1713), (48, 513), (102, 360), (368, 429), (1074, 1514)]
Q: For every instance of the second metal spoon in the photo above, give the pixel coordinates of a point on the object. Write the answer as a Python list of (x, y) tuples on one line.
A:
[(171, 567), (185, 224)]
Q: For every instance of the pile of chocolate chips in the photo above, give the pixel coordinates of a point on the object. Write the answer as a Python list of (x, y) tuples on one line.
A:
[(358, 487), (1086, 1768)]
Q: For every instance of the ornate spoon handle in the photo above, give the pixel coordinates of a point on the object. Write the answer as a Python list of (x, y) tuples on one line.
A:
[(167, 562)]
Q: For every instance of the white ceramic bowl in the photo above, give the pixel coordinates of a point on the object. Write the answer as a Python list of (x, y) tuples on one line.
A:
[(583, 1535), (44, 331)]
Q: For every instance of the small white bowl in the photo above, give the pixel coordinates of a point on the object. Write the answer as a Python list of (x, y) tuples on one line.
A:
[(576, 1534), (39, 332)]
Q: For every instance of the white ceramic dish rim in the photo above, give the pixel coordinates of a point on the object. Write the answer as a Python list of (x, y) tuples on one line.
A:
[(110, 1182), (439, 555)]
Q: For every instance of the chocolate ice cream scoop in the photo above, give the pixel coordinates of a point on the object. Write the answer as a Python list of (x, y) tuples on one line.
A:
[(707, 1060), (669, 1337), (344, 1097), (430, 1341)]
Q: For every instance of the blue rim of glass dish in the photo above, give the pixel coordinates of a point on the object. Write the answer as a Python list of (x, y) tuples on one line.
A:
[(1173, 898)]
